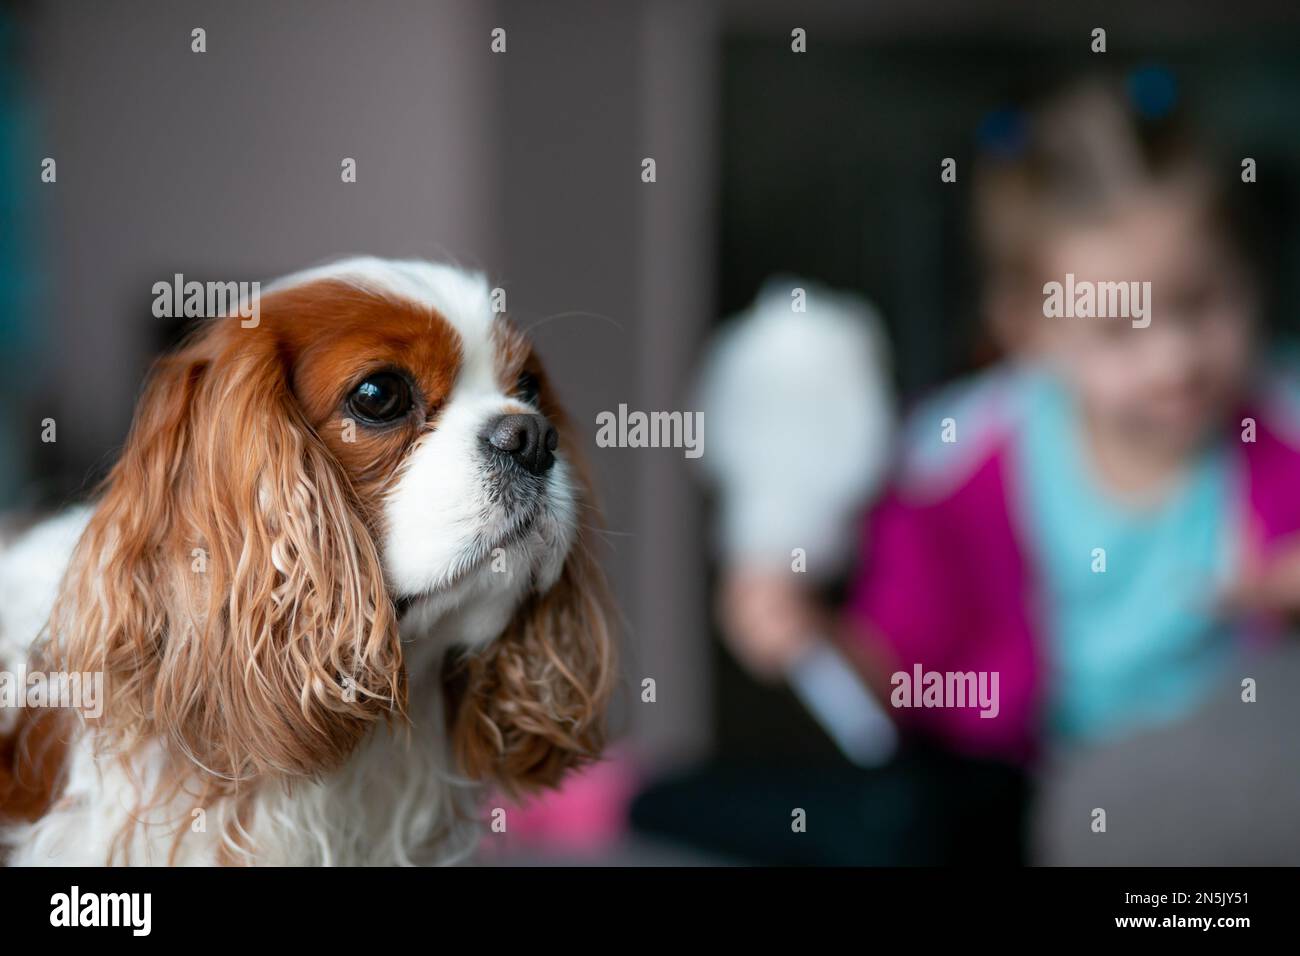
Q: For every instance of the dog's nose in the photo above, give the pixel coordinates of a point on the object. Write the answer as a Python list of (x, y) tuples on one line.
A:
[(528, 439)]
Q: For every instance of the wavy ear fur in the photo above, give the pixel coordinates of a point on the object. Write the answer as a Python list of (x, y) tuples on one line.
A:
[(227, 584), (532, 704)]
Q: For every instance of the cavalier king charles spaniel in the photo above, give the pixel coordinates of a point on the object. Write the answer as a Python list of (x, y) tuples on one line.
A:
[(336, 585)]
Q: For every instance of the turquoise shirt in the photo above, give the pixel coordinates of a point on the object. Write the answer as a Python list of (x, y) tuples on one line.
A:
[(1139, 642)]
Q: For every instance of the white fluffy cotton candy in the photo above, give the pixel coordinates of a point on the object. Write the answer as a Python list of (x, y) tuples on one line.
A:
[(799, 412)]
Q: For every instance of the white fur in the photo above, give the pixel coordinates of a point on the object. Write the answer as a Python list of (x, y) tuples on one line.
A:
[(30, 571), (800, 411), (397, 800)]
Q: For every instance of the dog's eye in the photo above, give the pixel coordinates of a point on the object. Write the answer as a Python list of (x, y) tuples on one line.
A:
[(383, 397), (527, 388)]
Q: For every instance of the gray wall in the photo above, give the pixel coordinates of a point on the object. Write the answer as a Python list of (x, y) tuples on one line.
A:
[(619, 299), (226, 164)]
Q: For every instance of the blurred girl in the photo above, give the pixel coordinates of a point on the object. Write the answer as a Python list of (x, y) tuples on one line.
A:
[(1095, 518)]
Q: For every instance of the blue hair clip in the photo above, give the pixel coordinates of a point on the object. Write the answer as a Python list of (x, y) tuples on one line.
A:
[(1002, 132), (1153, 91)]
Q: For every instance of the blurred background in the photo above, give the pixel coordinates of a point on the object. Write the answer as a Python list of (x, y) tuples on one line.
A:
[(527, 164)]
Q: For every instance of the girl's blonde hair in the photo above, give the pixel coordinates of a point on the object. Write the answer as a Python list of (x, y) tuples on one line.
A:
[(1075, 158)]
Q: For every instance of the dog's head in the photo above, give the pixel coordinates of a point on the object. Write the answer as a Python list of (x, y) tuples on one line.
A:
[(380, 452)]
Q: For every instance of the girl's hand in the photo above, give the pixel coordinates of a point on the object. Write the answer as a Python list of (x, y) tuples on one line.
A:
[(767, 619), (1269, 585)]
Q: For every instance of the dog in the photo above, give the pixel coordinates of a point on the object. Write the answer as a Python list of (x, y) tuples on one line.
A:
[(338, 583)]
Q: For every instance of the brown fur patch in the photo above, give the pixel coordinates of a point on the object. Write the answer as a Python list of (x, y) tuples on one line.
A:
[(31, 764)]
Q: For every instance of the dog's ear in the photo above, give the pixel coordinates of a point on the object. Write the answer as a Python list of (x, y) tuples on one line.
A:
[(227, 586), (532, 704)]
